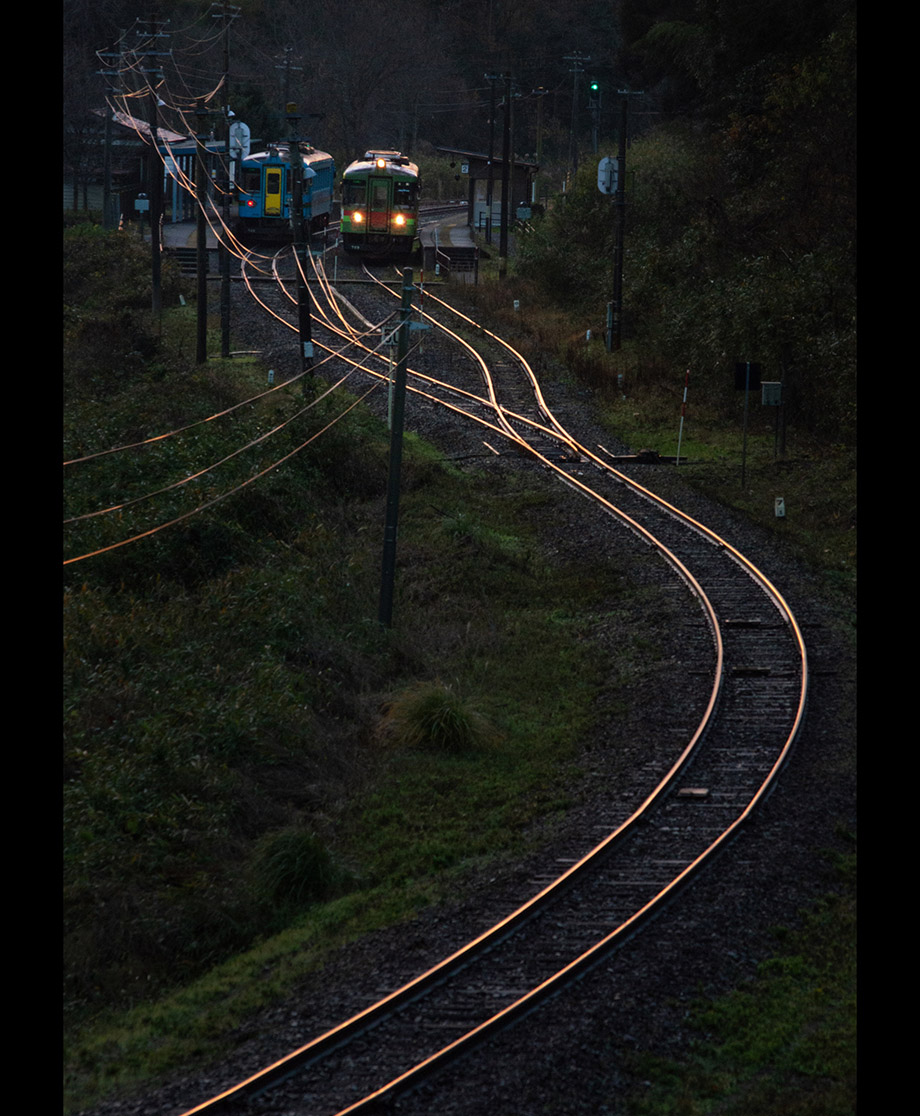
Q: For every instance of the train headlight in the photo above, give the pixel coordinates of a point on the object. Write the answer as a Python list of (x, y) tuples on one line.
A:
[(400, 219), (357, 218), (381, 163)]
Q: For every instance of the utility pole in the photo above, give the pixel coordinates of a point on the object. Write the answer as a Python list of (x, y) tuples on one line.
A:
[(154, 168), (594, 107), (201, 244), (297, 173), (616, 329), (288, 68), (540, 93), (506, 189), (226, 15), (492, 79), (576, 59), (388, 572), (616, 326), (109, 215)]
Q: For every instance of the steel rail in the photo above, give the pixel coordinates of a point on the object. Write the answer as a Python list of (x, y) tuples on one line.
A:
[(647, 493), (503, 412), (349, 1029), (363, 1020), (463, 1045), (527, 1002), (352, 339), (355, 338)]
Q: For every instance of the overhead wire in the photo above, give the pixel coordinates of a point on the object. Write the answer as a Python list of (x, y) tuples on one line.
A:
[(333, 354), (223, 495), (198, 422), (210, 468), (173, 169)]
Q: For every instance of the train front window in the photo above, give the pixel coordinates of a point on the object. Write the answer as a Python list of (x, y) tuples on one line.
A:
[(250, 180), (353, 194), (379, 195), (404, 195)]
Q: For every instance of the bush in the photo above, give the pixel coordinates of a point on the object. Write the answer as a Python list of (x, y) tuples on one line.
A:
[(431, 717), (294, 867), (568, 252)]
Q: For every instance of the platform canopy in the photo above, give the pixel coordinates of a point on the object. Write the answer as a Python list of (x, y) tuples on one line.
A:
[(474, 166)]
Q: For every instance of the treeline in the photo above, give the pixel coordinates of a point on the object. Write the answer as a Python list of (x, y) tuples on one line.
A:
[(741, 185), (741, 228), (398, 75)]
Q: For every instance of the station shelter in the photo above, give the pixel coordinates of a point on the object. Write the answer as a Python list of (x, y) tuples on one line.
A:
[(130, 144), (474, 168)]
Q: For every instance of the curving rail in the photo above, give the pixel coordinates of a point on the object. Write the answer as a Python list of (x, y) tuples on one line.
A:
[(741, 781)]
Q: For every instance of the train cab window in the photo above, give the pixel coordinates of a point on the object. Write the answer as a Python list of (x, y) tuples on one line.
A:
[(250, 180), (404, 195), (353, 193), (380, 194)]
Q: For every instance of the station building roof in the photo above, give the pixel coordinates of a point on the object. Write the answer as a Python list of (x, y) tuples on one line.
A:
[(479, 160)]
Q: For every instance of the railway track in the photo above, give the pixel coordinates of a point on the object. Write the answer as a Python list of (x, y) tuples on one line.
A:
[(745, 648)]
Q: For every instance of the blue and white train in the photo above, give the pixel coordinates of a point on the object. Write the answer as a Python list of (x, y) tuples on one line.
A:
[(265, 188)]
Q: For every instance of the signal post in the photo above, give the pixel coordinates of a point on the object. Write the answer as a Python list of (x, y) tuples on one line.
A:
[(611, 179)]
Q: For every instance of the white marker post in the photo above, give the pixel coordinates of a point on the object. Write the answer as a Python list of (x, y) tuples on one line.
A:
[(683, 411)]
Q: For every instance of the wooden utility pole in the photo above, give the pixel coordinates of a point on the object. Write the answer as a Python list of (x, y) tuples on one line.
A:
[(109, 212), (201, 242), (297, 172), (154, 171), (616, 330), (576, 58), (223, 253), (506, 189), (540, 94), (388, 571), (490, 189)]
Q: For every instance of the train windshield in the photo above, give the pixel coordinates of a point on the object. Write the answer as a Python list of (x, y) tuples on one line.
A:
[(404, 195), (250, 180), (353, 193)]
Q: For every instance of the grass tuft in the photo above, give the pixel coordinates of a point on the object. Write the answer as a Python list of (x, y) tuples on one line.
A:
[(430, 716), (294, 867)]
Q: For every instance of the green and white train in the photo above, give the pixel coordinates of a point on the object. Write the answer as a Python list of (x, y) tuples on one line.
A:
[(380, 197)]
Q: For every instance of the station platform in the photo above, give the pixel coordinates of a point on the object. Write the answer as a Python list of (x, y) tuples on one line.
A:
[(448, 249), (183, 234), (452, 231)]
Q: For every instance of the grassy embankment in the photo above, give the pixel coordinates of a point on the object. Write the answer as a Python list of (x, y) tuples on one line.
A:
[(236, 800), (639, 398), (783, 1045), (255, 771)]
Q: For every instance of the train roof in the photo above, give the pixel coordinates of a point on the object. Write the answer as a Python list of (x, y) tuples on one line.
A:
[(281, 151), (395, 161)]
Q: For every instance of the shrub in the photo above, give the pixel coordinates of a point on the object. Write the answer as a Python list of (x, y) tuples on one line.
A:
[(293, 866), (431, 717)]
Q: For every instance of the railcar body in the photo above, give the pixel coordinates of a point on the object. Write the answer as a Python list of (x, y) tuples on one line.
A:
[(265, 189), (380, 196)]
